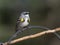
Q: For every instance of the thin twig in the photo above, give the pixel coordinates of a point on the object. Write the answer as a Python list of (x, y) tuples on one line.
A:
[(32, 36)]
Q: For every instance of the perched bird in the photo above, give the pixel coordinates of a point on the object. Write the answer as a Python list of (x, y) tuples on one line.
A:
[(21, 23), (23, 20)]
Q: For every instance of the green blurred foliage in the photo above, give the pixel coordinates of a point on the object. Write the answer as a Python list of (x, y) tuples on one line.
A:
[(42, 12)]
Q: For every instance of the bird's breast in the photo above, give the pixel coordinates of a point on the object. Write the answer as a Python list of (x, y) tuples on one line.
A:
[(25, 23)]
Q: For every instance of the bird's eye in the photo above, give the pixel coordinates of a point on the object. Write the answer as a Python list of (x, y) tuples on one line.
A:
[(22, 20), (28, 20), (25, 13)]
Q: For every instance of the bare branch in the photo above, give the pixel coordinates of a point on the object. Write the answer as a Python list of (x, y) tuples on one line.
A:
[(32, 36)]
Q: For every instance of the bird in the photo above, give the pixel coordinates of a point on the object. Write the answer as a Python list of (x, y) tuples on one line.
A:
[(23, 21)]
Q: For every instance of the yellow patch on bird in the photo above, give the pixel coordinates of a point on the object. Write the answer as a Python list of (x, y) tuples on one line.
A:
[(29, 20), (22, 19)]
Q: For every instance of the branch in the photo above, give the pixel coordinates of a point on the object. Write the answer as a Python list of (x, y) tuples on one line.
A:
[(32, 36)]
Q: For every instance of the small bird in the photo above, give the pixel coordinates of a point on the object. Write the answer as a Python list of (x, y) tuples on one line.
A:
[(23, 20), (21, 23)]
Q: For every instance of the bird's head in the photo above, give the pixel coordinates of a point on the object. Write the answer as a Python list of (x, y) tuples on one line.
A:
[(25, 13)]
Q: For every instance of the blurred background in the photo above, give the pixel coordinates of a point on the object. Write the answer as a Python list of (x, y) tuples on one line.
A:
[(42, 12)]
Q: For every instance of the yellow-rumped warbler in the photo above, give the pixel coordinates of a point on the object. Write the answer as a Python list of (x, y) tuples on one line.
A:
[(23, 20), (22, 23)]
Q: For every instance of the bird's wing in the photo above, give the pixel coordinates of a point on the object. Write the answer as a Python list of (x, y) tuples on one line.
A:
[(17, 25)]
